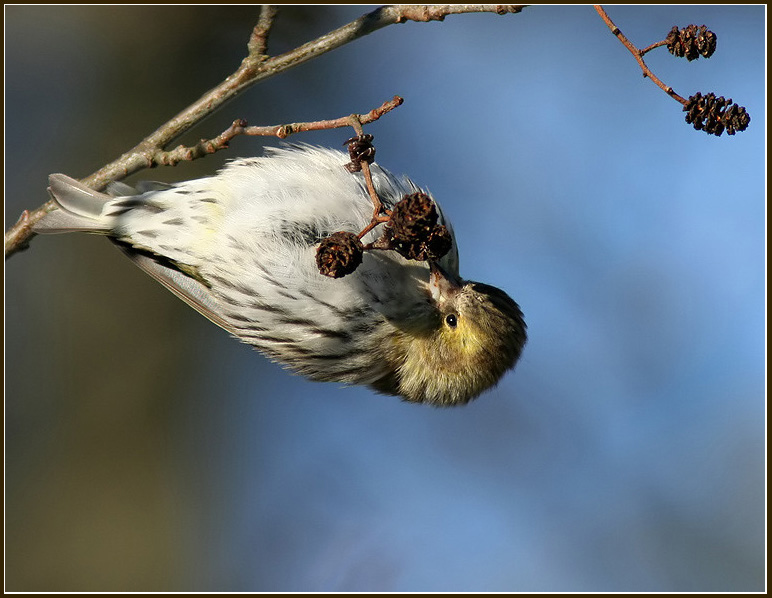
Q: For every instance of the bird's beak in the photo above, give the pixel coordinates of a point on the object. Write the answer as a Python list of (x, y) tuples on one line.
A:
[(442, 284)]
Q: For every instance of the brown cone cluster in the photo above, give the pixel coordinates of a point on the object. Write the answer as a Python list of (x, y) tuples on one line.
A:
[(413, 231), (339, 254), (360, 149), (691, 42), (716, 115)]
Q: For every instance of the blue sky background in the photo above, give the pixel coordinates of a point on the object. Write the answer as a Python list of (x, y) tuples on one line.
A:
[(146, 450)]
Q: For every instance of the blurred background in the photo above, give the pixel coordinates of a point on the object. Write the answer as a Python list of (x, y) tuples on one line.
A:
[(148, 451)]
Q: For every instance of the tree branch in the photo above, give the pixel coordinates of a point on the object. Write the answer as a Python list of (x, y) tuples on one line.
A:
[(707, 113), (638, 55), (254, 68), (258, 42), (240, 127)]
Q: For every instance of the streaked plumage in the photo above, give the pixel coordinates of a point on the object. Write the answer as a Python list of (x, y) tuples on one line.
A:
[(239, 247)]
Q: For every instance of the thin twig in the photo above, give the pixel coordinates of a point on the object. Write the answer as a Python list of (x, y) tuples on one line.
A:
[(379, 213), (658, 44), (377, 204), (638, 55), (240, 127), (18, 236), (255, 67), (258, 41)]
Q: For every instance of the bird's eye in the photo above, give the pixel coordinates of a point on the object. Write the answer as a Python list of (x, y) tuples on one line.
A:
[(451, 320)]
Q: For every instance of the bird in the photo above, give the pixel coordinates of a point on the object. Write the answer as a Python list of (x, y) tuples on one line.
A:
[(241, 248)]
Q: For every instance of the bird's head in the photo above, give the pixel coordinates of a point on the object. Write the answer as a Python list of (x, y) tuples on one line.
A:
[(473, 335)]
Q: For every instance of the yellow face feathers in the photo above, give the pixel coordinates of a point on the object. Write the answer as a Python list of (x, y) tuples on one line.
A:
[(477, 335)]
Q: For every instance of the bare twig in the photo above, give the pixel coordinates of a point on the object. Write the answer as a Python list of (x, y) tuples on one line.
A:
[(707, 113), (658, 44), (638, 55), (18, 236), (255, 67), (258, 42), (380, 214), (240, 127)]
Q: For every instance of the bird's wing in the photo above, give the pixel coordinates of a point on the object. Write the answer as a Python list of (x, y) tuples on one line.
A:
[(191, 291)]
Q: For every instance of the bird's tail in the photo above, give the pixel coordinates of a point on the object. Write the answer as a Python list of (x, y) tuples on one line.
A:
[(79, 208)]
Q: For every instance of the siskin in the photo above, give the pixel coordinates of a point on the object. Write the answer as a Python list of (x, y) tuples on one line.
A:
[(240, 247)]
